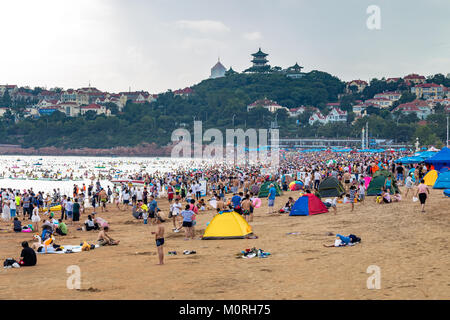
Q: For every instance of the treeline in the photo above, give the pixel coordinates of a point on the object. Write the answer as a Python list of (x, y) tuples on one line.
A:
[(222, 103)]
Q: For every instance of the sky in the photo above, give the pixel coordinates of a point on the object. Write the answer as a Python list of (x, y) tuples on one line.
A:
[(156, 45)]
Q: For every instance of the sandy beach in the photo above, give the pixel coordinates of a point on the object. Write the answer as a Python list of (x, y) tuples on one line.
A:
[(411, 249)]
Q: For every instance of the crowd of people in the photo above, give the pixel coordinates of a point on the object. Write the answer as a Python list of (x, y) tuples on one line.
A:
[(191, 191)]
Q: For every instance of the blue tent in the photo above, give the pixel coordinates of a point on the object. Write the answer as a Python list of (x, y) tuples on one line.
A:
[(425, 155), (307, 205), (440, 159), (443, 181), (408, 160)]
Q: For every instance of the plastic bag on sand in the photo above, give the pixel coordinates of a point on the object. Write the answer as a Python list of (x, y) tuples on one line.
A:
[(415, 199)]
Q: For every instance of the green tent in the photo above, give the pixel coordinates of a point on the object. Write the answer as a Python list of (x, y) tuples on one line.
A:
[(331, 187), (377, 183), (264, 189)]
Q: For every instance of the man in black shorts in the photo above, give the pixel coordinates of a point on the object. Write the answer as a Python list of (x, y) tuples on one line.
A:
[(159, 238)]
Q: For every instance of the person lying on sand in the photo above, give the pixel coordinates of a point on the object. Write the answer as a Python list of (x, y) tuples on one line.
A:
[(342, 241), (104, 239)]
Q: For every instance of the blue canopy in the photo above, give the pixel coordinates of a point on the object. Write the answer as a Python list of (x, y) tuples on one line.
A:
[(440, 159), (426, 154), (408, 160)]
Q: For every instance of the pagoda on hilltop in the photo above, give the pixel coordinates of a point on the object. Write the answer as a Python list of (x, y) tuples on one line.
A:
[(294, 72), (259, 59)]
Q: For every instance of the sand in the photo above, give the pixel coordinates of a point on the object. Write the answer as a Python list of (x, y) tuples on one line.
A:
[(410, 248)]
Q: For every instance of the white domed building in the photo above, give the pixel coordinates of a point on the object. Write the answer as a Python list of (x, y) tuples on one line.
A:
[(218, 71)]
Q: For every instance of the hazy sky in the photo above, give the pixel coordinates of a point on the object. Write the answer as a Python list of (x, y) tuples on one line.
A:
[(156, 45)]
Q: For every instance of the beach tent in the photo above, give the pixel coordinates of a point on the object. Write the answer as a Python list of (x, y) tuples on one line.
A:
[(387, 173), (425, 155), (375, 185), (430, 177), (378, 181), (227, 225), (307, 205), (409, 160), (367, 181), (331, 187), (264, 189), (443, 181), (440, 159)]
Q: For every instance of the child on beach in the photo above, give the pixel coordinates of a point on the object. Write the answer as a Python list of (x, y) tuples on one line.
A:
[(362, 191), (35, 219), (352, 196), (159, 238), (175, 210)]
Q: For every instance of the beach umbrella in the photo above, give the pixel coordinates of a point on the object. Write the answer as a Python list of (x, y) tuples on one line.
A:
[(331, 162), (295, 185)]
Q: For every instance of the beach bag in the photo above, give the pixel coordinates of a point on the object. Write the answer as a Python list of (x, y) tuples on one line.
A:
[(8, 263), (354, 239)]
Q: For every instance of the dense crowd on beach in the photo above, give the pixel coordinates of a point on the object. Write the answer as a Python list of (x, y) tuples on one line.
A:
[(191, 191)]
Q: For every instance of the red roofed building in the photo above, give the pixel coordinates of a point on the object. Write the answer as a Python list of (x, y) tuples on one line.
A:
[(95, 107), (11, 88), (382, 103), (428, 91), (359, 84), (186, 92), (390, 95), (336, 115), (392, 80), (317, 117), (414, 78), (265, 103), (294, 112), (421, 108)]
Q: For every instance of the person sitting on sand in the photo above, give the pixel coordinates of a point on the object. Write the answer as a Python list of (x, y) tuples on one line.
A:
[(288, 206), (105, 240), (17, 225), (386, 197), (137, 211), (159, 238), (397, 197), (27, 256), (62, 228), (89, 224)]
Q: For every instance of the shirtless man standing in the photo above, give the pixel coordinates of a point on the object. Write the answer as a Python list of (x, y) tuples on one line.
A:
[(159, 238), (246, 205), (220, 204)]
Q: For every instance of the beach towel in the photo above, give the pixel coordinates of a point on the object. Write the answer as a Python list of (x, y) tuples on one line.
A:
[(67, 249)]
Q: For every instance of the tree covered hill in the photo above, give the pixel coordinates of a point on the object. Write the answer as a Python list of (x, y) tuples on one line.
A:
[(221, 103), (214, 101)]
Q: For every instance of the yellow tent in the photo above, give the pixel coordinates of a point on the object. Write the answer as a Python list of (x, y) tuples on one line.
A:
[(227, 225), (430, 177)]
